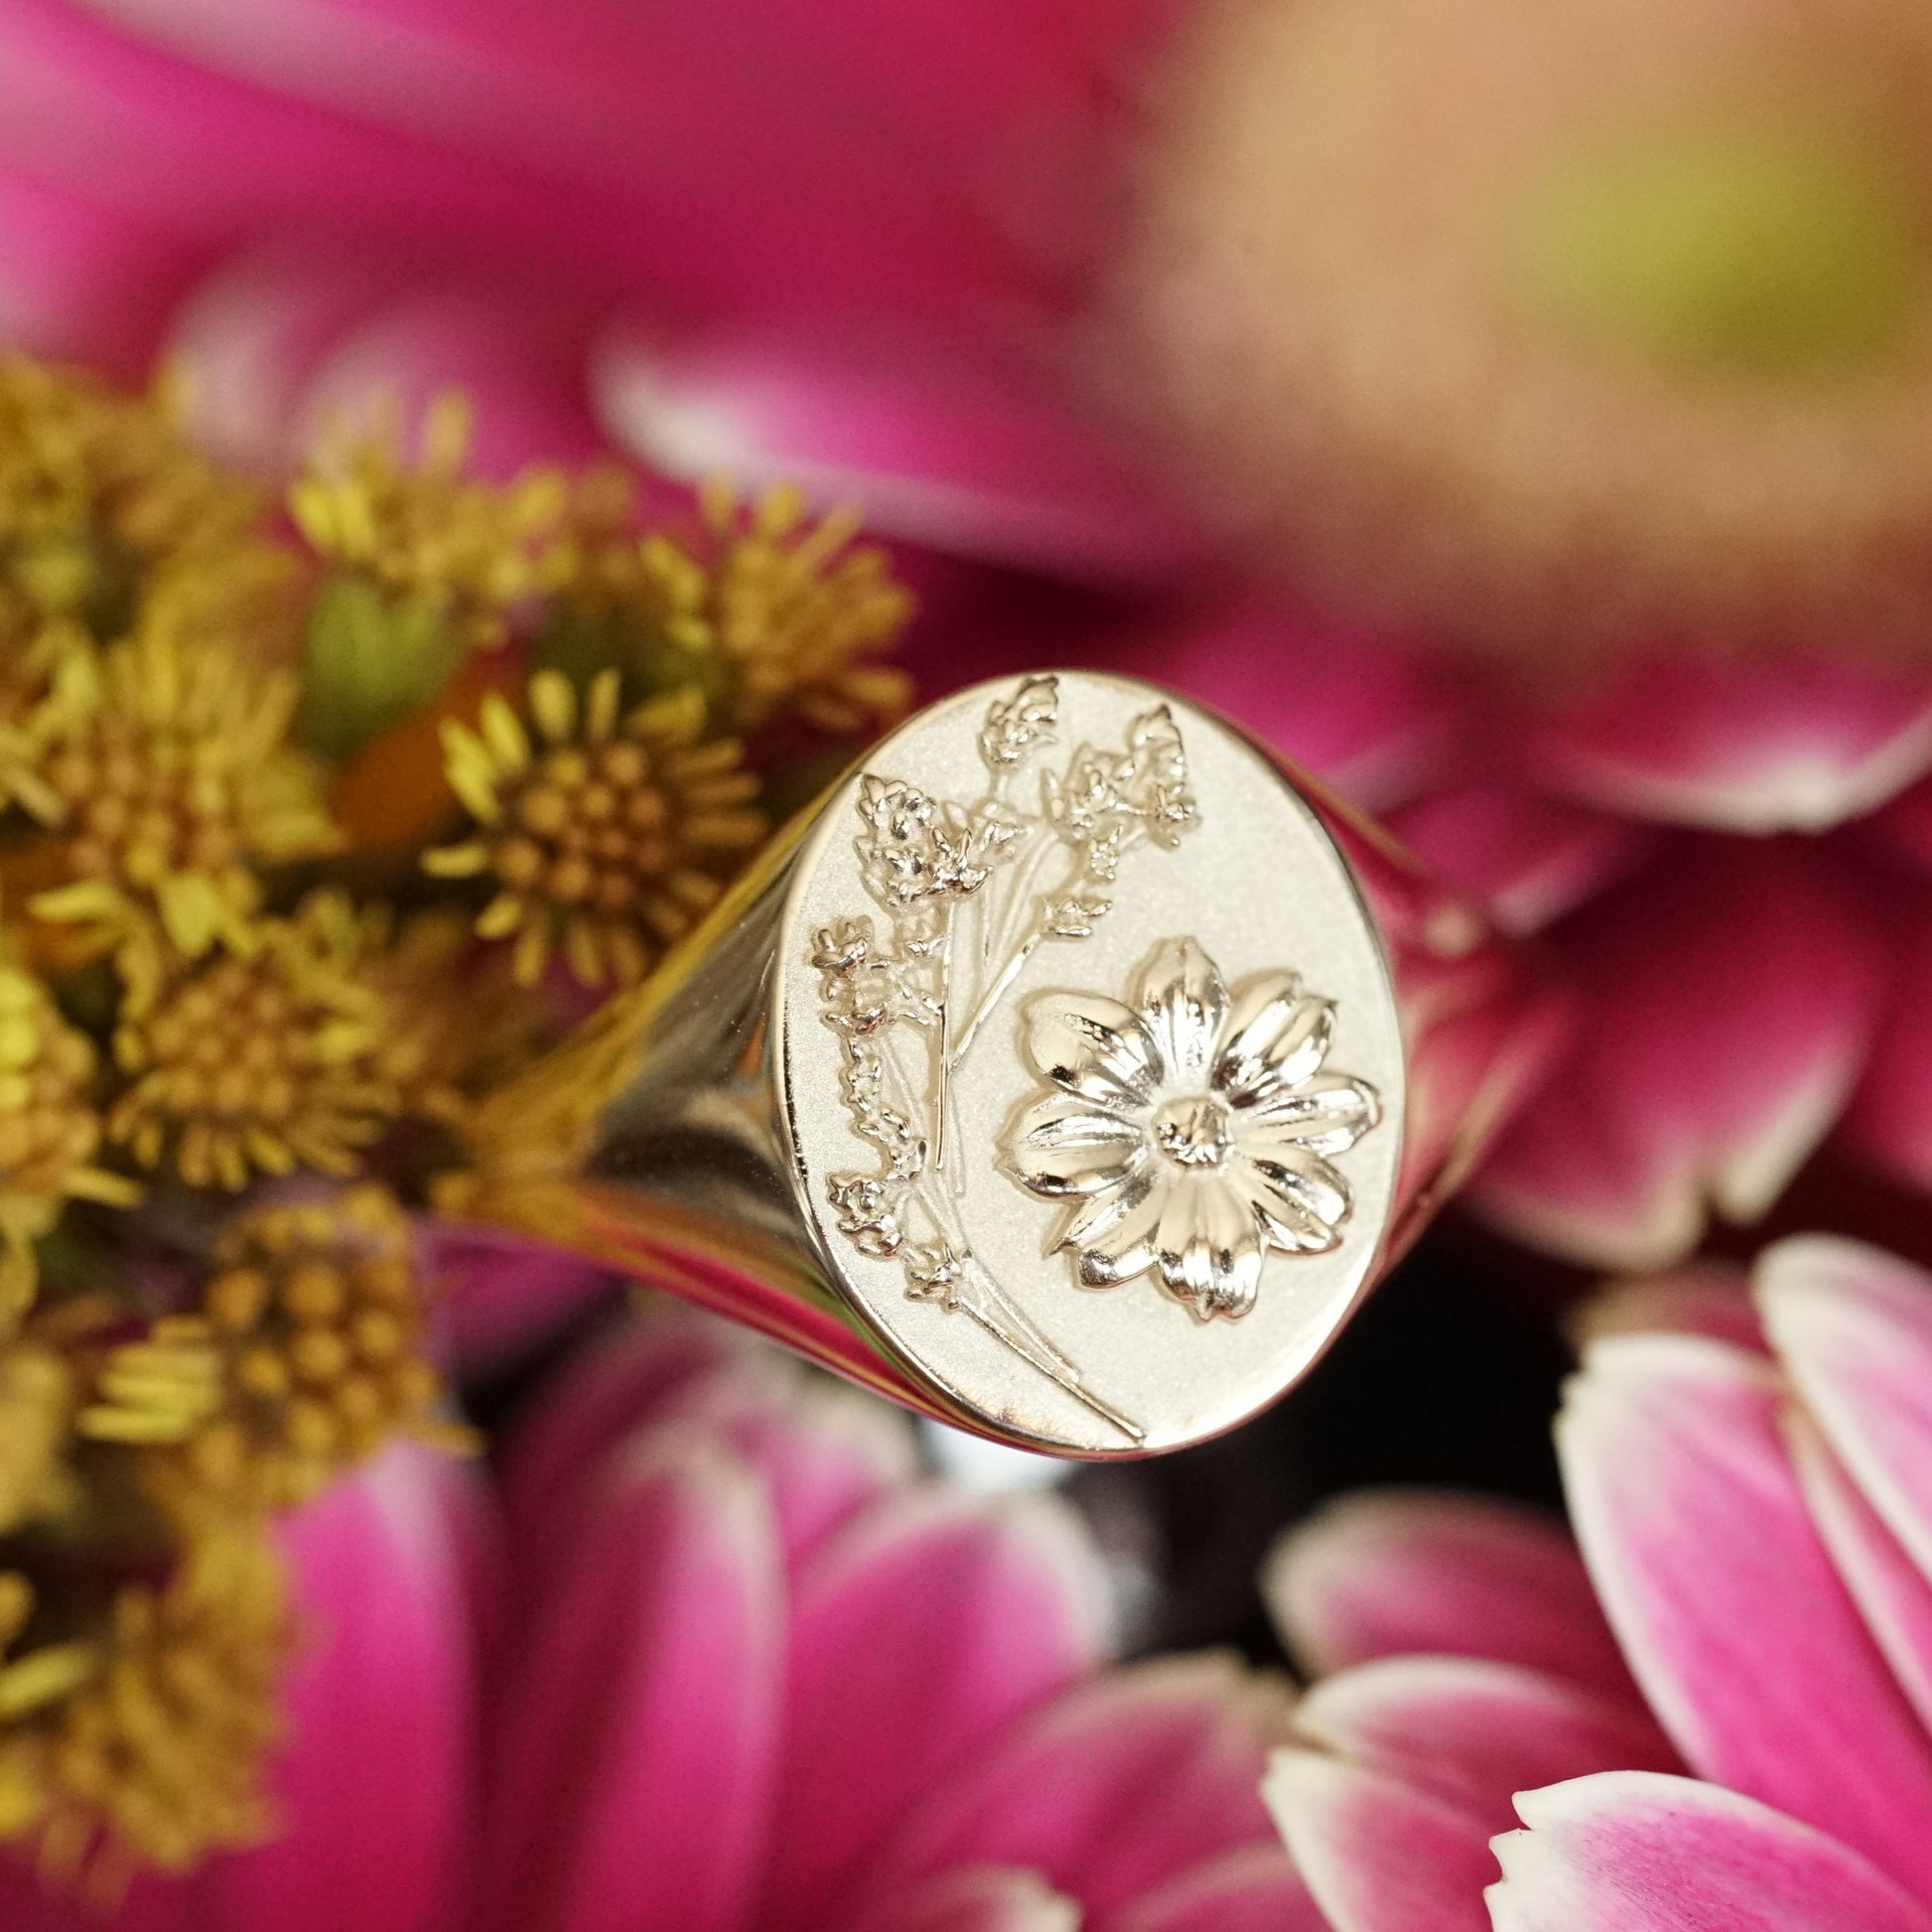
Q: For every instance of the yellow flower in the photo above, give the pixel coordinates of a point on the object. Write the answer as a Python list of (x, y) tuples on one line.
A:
[(305, 1355), (106, 513), (255, 1061), (612, 834), (133, 1729), (793, 614), (430, 537), (49, 1131), (163, 771)]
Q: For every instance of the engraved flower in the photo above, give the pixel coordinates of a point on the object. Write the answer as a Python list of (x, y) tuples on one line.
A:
[(1189, 1130)]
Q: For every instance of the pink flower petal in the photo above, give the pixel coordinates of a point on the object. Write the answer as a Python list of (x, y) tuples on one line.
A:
[(1379, 733), (1730, 995), (1527, 858), (980, 1898), (1888, 1586), (502, 1295), (1474, 1732), (918, 1633), (823, 1451), (372, 1784), (631, 1762), (80, 283), (1253, 1889), (1744, 745), (1703, 1298), (1889, 1120), (1112, 1790), (1854, 1329), (1631, 1851), (1744, 1640), (603, 1395), (967, 455), (1384, 1572), (1377, 1855)]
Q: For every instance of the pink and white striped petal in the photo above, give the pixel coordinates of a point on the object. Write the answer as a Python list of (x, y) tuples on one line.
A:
[(1386, 1572), (1253, 1889), (1748, 1648), (1853, 1328), (631, 1764), (1631, 1851), (1114, 1789), (1729, 996), (1749, 745), (1888, 1586), (920, 1632), (1377, 1855), (1474, 1732)]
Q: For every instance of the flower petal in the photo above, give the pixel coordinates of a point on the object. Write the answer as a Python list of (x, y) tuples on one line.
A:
[(1121, 1243), (1209, 1247), (1747, 1647), (1328, 1115), (604, 1394), (1065, 1145), (1275, 1037), (1529, 859), (633, 1757), (380, 1716), (1386, 1572), (1183, 1001), (1301, 1200), (1378, 735), (1377, 1855), (1472, 1732), (1853, 1328), (503, 1294), (1731, 995), (1117, 1787), (971, 454), (1744, 744), (1703, 1298), (1253, 1889), (1095, 1047), (1633, 1852), (1889, 1120), (918, 1633), (1891, 1590), (978, 1898)]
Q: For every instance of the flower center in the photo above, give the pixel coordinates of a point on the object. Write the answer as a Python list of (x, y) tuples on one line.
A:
[(1192, 1130), (1762, 243)]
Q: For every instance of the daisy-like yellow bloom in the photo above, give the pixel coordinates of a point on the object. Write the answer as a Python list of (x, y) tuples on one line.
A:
[(305, 1355), (104, 512), (792, 611), (609, 834), (430, 537), (163, 772), (50, 1130), (254, 1062), (133, 1731)]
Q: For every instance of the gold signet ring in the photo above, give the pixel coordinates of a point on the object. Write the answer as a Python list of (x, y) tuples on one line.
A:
[(1068, 1071)]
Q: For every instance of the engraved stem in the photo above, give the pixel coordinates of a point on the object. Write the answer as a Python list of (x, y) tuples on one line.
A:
[(942, 1064), (996, 993), (990, 1309)]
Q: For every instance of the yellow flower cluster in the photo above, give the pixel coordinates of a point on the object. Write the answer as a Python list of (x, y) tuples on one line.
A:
[(293, 829)]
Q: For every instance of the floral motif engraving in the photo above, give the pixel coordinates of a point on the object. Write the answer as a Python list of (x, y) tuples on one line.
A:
[(1187, 1129), (969, 891)]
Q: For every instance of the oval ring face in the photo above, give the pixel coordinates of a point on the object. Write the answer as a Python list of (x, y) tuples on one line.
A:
[(1089, 1063)]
